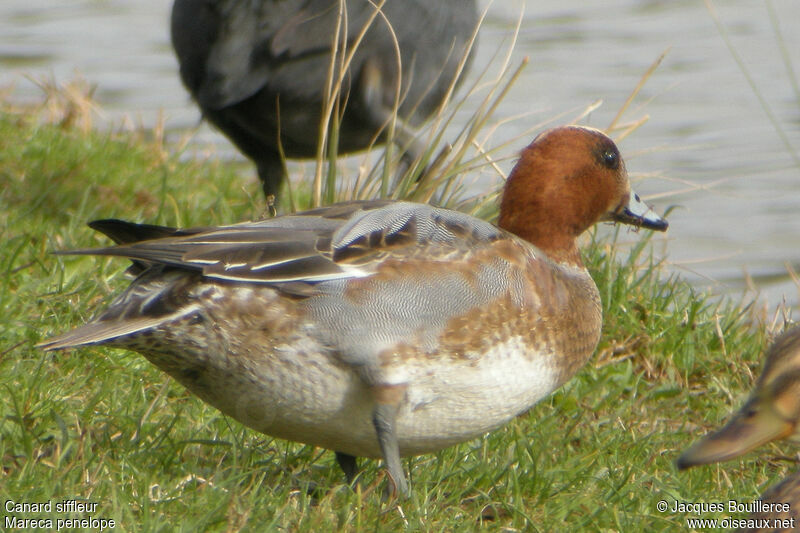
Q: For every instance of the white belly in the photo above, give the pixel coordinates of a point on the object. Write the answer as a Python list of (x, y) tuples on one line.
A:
[(300, 394)]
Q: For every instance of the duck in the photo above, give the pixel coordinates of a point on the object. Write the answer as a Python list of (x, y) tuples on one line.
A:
[(778, 510), (379, 328), (258, 70), (771, 413)]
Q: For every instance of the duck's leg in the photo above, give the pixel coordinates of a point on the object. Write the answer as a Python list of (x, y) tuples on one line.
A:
[(272, 173), (384, 418), (348, 464)]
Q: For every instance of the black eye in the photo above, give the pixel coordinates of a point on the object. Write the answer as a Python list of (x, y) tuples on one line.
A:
[(606, 154), (610, 159)]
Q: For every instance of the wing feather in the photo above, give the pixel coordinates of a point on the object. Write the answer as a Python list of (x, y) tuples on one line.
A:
[(344, 240)]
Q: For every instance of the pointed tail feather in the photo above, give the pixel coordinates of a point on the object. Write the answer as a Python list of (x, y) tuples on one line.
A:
[(122, 232), (98, 333)]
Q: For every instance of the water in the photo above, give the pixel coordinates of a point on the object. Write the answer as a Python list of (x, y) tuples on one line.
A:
[(709, 148)]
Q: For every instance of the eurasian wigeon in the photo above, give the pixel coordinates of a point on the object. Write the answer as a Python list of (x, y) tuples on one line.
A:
[(778, 509), (772, 412), (379, 328), (258, 70)]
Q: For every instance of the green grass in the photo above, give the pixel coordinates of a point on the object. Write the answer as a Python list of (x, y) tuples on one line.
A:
[(105, 426)]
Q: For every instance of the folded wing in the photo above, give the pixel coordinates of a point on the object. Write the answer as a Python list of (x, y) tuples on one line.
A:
[(341, 241)]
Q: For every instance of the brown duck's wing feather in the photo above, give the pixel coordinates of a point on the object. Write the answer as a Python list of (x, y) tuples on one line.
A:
[(295, 254), (123, 232), (158, 295), (96, 332), (340, 241)]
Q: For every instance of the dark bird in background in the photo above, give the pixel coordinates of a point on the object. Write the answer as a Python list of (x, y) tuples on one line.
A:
[(258, 69)]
